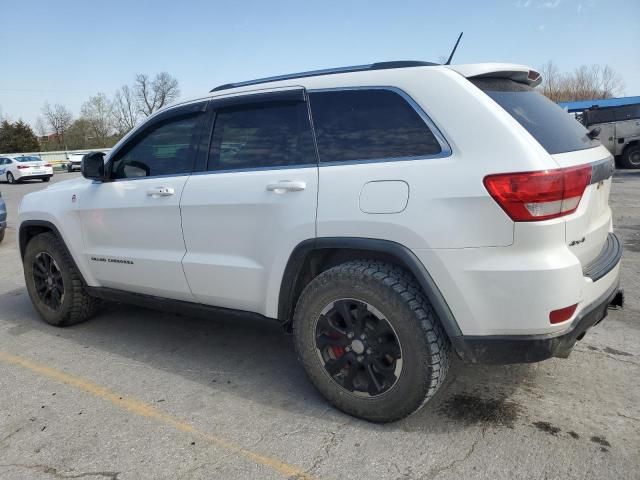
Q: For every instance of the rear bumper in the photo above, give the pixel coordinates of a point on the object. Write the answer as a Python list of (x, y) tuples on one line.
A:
[(508, 349), (35, 177)]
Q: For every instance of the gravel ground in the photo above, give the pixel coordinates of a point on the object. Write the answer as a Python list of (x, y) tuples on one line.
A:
[(139, 394)]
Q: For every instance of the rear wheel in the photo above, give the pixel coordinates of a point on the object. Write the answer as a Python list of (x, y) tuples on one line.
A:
[(370, 341), (10, 178), (631, 157), (69, 168), (46, 179), (54, 284)]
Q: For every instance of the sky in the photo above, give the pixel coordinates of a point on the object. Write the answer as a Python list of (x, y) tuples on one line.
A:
[(65, 51)]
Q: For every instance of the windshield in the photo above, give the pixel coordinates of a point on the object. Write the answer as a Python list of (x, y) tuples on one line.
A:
[(548, 123), (27, 159)]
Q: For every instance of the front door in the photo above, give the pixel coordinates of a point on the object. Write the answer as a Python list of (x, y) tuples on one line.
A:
[(256, 201), (131, 224)]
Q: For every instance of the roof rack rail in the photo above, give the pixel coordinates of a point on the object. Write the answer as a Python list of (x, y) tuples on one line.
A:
[(329, 71)]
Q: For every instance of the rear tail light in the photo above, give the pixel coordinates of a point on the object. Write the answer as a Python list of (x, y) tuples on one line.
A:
[(562, 314), (22, 167), (47, 164), (533, 196)]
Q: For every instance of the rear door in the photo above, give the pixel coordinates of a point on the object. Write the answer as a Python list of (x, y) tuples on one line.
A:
[(246, 211), (131, 224)]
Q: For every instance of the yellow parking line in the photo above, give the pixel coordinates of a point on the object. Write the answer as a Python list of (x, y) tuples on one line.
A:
[(145, 410)]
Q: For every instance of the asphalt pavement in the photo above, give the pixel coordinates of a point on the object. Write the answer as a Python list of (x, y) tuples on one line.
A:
[(141, 394)]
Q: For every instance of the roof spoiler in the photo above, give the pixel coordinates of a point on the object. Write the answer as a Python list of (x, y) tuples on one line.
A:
[(517, 73)]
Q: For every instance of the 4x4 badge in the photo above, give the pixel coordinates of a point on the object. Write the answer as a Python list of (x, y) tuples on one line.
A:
[(577, 242)]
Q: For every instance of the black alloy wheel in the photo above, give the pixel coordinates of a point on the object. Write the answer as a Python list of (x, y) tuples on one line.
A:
[(48, 280), (358, 347)]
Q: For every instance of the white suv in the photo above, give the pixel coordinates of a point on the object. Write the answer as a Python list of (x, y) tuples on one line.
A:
[(387, 214)]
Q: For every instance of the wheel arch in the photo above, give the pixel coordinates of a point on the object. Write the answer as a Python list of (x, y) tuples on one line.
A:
[(28, 229), (311, 257)]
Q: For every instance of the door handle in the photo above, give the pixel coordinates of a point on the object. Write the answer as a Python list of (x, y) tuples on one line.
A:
[(286, 186), (161, 192)]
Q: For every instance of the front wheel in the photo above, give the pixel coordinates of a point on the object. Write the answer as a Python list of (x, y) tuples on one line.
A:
[(46, 179), (370, 341), (54, 284), (10, 178)]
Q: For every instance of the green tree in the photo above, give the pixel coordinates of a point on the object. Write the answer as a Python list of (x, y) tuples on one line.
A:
[(17, 138), (78, 135)]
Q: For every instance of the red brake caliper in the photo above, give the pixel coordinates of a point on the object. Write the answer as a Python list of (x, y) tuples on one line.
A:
[(337, 350)]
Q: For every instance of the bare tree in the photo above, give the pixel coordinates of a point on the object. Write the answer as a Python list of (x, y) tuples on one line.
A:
[(154, 94), (58, 118), (97, 112), (40, 127), (611, 83), (552, 81), (125, 114), (586, 82)]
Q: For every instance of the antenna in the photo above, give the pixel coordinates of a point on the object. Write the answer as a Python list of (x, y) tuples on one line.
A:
[(454, 49)]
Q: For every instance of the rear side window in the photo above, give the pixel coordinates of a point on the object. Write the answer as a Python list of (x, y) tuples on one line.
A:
[(368, 125), (275, 134), (549, 124)]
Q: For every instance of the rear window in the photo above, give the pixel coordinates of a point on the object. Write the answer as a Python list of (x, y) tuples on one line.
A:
[(27, 159), (368, 124), (549, 124)]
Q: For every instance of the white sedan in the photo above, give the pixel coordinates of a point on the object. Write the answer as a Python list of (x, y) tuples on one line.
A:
[(24, 167)]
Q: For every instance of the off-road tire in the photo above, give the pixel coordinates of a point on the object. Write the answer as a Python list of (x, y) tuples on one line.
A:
[(77, 306), (395, 293), (631, 157)]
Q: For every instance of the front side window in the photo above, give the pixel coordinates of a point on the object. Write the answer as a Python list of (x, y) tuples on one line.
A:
[(272, 134), (167, 148), (369, 124)]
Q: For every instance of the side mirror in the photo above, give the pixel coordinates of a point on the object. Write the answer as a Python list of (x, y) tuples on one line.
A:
[(92, 166)]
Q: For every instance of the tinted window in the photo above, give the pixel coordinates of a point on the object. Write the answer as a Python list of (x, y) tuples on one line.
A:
[(262, 135), (168, 148), (27, 158), (550, 125), (368, 125)]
